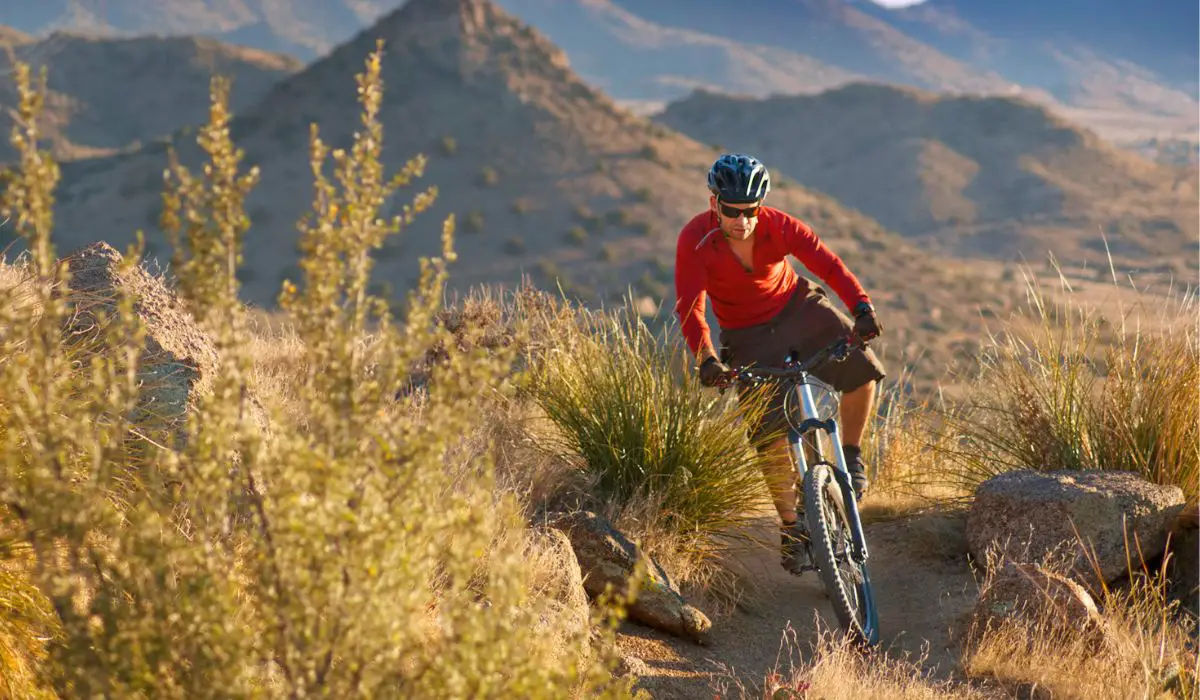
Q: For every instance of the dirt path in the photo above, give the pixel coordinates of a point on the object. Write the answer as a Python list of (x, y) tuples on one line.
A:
[(922, 583)]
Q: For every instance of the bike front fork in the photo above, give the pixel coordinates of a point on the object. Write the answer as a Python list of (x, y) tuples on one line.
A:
[(841, 474)]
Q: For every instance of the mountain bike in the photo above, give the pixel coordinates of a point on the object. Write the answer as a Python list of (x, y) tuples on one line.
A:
[(835, 535)]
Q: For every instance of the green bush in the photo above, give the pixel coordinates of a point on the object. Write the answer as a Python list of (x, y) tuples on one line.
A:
[(632, 416)]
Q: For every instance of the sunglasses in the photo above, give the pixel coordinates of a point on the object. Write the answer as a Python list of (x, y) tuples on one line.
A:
[(734, 212)]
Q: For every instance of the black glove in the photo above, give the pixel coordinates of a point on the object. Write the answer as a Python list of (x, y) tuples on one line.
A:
[(712, 370), (866, 326)]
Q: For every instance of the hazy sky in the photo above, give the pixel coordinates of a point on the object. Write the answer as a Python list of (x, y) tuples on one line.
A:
[(897, 3)]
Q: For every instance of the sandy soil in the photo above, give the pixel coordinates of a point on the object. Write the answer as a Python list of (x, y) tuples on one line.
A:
[(923, 584)]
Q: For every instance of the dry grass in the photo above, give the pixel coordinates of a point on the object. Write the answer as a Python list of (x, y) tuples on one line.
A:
[(837, 670), (1070, 385), (905, 452), (1146, 651)]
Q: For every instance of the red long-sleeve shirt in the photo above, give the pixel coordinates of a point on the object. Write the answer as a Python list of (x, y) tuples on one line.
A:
[(706, 266)]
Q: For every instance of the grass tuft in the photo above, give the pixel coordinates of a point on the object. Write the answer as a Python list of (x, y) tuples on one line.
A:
[(655, 446)]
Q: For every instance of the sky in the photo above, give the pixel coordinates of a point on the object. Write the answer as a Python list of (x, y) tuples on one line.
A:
[(897, 3)]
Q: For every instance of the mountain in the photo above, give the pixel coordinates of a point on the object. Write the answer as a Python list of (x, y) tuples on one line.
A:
[(1125, 69), (548, 177), (972, 175), (637, 60), (1124, 66), (108, 94)]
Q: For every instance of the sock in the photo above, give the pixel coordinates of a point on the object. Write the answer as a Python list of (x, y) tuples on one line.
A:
[(852, 453)]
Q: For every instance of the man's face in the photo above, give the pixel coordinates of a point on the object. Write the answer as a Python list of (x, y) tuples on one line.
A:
[(732, 218)]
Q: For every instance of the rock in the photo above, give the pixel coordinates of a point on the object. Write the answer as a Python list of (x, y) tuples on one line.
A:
[(1183, 565), (631, 666), (1029, 594), (559, 603), (562, 579), (608, 557), (1028, 515), (180, 360)]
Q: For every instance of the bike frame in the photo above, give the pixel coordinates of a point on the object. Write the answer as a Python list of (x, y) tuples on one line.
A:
[(809, 423)]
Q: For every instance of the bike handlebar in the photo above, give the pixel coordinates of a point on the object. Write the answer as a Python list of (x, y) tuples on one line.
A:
[(836, 351)]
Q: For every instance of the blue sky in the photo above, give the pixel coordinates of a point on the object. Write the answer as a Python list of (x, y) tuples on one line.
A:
[(897, 3)]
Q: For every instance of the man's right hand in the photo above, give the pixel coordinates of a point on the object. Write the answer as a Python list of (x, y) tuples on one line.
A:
[(712, 370)]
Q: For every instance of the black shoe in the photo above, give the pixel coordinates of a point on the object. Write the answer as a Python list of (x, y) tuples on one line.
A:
[(794, 543)]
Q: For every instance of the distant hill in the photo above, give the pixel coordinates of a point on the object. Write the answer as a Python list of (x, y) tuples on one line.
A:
[(548, 178), (304, 29), (992, 176), (109, 94)]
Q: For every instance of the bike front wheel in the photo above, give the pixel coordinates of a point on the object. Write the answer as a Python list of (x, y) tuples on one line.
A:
[(847, 582)]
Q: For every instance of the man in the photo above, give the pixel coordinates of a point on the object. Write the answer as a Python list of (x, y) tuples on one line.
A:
[(735, 253)]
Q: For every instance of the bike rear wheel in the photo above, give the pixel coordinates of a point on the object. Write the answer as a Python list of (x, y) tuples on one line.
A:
[(847, 582)]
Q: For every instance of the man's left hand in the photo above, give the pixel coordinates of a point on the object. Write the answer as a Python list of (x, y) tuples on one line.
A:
[(866, 325)]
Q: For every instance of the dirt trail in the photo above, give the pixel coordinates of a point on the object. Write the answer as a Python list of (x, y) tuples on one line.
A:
[(922, 583)]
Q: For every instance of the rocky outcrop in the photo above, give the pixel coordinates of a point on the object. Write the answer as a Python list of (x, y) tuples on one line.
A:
[(606, 557), (179, 362), (1114, 516), (1027, 594)]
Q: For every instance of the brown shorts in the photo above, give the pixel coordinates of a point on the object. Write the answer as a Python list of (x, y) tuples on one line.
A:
[(808, 323)]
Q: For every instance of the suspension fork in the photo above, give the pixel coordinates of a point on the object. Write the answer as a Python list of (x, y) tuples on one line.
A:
[(842, 474)]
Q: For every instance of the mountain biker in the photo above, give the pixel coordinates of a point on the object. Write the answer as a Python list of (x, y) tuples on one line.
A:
[(735, 253)]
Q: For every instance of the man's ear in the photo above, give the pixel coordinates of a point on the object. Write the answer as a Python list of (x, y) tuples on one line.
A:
[(712, 202)]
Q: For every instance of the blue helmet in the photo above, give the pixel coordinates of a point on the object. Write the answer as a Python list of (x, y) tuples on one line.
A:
[(739, 179)]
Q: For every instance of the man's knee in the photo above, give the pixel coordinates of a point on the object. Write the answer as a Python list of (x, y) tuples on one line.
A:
[(867, 387)]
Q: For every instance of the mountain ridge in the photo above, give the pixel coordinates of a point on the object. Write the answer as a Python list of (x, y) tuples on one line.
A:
[(973, 175), (85, 117)]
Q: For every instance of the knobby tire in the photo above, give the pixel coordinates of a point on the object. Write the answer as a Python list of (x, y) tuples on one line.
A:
[(859, 620)]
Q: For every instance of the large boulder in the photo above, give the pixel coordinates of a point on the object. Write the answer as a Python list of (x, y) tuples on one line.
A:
[(1027, 595), (606, 557), (179, 362), (1078, 515)]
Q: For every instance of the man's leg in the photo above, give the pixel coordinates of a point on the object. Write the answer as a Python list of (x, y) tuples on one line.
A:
[(856, 409), (781, 480)]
